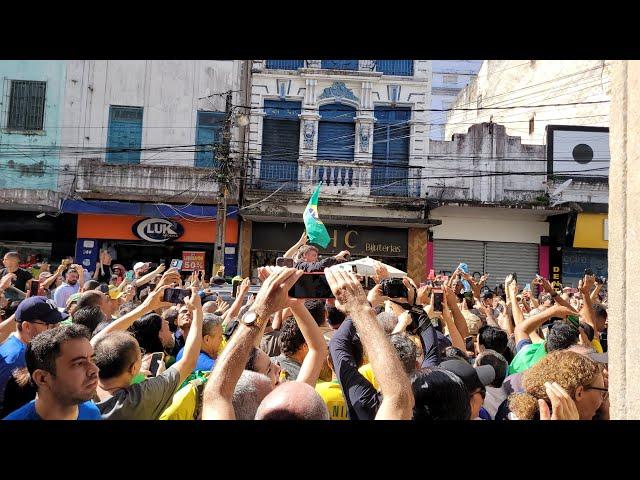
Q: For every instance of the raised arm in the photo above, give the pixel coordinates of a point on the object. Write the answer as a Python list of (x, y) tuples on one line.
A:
[(512, 290), (524, 329), (586, 312), (218, 393), (52, 279), (191, 351), (595, 295), (550, 290), (457, 340), (313, 361), (458, 318), (233, 312), (397, 402), (151, 303), (292, 251), (150, 276)]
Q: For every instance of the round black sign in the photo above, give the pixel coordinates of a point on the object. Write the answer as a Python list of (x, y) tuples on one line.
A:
[(582, 153)]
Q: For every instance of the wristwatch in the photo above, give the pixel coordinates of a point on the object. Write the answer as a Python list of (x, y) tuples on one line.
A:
[(251, 319)]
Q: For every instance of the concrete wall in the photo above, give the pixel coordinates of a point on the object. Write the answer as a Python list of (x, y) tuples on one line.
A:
[(490, 224), (528, 83), (169, 91), (480, 164), (30, 161), (624, 243), (448, 77)]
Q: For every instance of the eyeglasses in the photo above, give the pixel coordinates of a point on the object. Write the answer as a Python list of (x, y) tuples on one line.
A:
[(603, 391), (48, 325)]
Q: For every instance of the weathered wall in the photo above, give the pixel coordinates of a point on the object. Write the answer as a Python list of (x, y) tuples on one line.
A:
[(527, 83), (30, 160), (624, 244)]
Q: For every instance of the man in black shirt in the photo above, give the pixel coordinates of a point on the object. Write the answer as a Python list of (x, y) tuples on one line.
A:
[(11, 262), (307, 259)]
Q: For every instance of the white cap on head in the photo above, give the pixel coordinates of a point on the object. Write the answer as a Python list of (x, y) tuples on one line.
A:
[(138, 266)]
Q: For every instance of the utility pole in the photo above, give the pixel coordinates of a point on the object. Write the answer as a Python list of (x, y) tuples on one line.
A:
[(224, 177)]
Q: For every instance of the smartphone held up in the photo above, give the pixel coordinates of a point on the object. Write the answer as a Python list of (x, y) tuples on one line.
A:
[(176, 295)]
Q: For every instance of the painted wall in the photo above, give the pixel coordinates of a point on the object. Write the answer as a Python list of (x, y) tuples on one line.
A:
[(23, 162), (489, 224), (369, 89), (448, 77), (530, 83), (168, 90)]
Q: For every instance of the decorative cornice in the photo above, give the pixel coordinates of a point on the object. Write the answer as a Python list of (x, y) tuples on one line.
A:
[(338, 90)]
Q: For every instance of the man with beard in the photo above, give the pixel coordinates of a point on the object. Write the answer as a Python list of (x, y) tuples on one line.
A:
[(60, 364), (73, 278)]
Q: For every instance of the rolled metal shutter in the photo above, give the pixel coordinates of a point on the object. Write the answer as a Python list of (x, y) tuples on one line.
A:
[(503, 258), (448, 254)]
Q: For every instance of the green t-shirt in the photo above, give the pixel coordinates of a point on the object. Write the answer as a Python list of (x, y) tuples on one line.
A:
[(527, 357)]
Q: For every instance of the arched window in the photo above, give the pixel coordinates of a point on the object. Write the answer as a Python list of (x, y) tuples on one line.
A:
[(336, 132)]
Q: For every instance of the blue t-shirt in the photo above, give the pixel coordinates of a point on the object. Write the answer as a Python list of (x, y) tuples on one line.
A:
[(11, 357), (205, 362), (86, 411)]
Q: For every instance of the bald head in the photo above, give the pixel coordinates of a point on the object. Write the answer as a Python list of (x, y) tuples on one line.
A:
[(210, 307), (249, 393), (293, 401)]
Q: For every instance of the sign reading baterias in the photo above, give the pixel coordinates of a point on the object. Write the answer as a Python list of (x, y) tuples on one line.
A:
[(157, 230)]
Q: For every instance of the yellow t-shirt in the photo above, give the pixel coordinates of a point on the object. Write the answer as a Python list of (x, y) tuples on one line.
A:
[(597, 346), (367, 372), (332, 395)]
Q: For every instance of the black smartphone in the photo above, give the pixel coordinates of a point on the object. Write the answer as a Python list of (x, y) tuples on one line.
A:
[(311, 285), (235, 283), (469, 343), (394, 288), (154, 366), (438, 297), (284, 262), (35, 286), (515, 277), (175, 295)]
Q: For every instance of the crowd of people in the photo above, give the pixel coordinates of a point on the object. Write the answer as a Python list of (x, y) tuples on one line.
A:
[(112, 345)]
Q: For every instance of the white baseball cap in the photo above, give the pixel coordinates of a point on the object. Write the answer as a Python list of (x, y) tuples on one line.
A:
[(138, 266)]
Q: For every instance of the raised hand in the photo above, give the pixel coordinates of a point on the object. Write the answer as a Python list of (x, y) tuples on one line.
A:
[(194, 302), (347, 290), (381, 272), (375, 296), (154, 300), (274, 293), (170, 277), (243, 288), (562, 405), (7, 280)]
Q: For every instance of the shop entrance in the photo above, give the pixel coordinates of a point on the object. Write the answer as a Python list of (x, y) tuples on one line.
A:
[(128, 253)]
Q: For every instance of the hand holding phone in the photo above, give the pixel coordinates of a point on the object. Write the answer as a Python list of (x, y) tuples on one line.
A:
[(438, 297), (34, 288), (157, 360), (176, 263), (284, 262), (175, 295)]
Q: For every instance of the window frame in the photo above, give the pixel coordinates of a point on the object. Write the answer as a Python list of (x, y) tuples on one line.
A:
[(11, 106)]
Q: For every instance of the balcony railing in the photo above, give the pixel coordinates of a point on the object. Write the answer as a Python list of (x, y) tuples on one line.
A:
[(145, 182), (339, 178)]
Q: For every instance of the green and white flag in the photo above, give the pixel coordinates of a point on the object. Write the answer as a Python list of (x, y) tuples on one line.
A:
[(316, 231)]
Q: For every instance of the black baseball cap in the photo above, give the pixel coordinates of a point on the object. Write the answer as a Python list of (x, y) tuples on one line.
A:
[(472, 377), (41, 309)]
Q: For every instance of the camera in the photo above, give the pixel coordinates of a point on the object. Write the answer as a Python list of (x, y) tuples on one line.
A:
[(394, 288)]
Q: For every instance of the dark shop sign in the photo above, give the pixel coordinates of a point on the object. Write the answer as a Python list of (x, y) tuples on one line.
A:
[(362, 241), (157, 230)]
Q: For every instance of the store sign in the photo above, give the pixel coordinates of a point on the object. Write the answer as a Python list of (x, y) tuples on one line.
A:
[(157, 230), (555, 267), (369, 241), (192, 261)]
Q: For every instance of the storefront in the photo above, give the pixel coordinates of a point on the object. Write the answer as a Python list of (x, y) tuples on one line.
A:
[(489, 240), (48, 238), (271, 240), (589, 248), (156, 234)]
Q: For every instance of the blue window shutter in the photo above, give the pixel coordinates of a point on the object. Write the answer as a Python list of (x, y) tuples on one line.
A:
[(124, 137), (336, 132), (395, 67), (208, 131), (284, 64), (391, 151), (280, 145), (340, 64)]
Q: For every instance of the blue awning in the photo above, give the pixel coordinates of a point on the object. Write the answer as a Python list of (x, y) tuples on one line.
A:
[(103, 207)]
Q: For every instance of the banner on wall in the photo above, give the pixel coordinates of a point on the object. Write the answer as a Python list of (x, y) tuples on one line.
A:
[(193, 261)]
